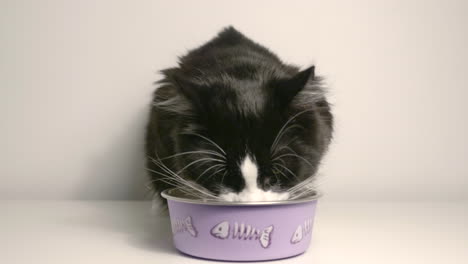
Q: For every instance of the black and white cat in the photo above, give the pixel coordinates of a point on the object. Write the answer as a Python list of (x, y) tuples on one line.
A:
[(233, 122)]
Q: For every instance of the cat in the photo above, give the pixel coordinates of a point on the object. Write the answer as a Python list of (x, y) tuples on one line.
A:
[(233, 122)]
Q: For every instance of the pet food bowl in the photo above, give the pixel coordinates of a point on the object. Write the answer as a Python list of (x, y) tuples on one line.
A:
[(240, 231)]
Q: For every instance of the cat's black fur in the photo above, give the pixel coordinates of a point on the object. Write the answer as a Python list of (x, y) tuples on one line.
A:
[(239, 95)]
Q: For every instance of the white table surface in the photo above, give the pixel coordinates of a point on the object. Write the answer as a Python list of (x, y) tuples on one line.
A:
[(128, 232)]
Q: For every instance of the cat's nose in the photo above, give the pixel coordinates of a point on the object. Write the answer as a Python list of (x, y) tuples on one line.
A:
[(266, 183)]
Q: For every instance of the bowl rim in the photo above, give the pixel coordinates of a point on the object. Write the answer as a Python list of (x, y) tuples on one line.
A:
[(168, 195)]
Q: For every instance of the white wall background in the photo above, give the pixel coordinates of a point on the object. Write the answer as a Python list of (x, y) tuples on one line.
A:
[(76, 79)]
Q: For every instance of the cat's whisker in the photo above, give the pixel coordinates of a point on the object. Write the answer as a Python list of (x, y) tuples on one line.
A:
[(193, 194), (160, 164), (312, 151), (169, 181), (289, 127), (207, 139), (275, 142), (278, 150), (212, 167), (184, 183), (276, 170), (172, 178), (193, 186), (195, 152), (211, 175), (196, 161), (175, 184), (276, 175), (294, 155), (160, 173), (168, 172), (304, 183), (288, 170), (222, 178), (167, 178), (306, 188), (188, 191), (296, 188), (301, 194), (279, 160)]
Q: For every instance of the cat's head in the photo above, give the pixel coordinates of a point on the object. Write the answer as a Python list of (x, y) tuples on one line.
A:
[(246, 140)]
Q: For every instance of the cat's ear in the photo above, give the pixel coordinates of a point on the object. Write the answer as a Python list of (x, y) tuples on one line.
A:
[(287, 89)]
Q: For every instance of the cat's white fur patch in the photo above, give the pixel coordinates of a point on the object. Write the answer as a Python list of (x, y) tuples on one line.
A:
[(251, 191), (249, 170)]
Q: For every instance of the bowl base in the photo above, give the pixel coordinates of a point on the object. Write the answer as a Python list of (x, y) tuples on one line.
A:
[(243, 260)]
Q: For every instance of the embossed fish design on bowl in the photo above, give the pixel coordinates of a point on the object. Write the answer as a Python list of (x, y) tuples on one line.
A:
[(241, 231)]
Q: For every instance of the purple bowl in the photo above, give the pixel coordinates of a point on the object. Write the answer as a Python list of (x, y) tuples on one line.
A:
[(241, 231)]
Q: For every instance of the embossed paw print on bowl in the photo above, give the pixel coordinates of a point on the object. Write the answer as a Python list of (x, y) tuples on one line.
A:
[(241, 231)]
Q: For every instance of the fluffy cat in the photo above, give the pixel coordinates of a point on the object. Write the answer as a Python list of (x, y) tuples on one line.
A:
[(233, 122)]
